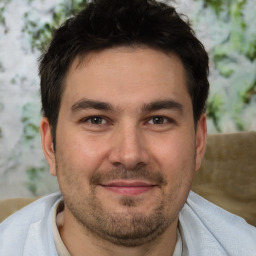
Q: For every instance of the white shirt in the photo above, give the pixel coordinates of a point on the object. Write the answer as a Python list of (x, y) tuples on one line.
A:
[(205, 228)]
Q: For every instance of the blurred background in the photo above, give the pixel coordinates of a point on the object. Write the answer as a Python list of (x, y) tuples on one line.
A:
[(226, 28)]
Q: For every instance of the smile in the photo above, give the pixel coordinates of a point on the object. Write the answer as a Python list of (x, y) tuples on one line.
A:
[(128, 188)]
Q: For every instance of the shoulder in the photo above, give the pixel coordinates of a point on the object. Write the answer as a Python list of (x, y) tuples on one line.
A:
[(33, 220), (32, 212), (211, 228)]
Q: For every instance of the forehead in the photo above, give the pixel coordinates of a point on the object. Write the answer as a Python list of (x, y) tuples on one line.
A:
[(126, 75)]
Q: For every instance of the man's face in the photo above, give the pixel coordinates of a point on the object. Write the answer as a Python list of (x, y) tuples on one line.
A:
[(126, 146)]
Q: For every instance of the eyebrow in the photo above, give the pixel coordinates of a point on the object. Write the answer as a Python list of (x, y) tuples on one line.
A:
[(162, 104), (150, 107), (93, 104)]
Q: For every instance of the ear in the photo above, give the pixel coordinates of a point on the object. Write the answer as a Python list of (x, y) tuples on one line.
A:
[(201, 133), (47, 144)]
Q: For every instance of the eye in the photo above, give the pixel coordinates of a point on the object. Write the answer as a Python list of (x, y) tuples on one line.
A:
[(95, 120), (158, 120)]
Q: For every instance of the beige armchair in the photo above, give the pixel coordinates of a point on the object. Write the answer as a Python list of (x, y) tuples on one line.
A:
[(227, 176)]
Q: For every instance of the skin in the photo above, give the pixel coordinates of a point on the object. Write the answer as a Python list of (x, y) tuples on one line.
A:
[(126, 152)]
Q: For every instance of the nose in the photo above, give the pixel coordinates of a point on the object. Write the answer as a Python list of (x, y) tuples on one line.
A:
[(129, 148)]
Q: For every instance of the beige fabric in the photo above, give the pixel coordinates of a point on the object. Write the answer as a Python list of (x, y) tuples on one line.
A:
[(57, 219), (227, 176), (11, 205)]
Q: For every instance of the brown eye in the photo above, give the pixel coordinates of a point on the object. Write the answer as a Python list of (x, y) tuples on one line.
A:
[(158, 120), (96, 120)]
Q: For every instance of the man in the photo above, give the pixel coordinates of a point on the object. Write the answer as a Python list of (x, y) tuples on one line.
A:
[(123, 87)]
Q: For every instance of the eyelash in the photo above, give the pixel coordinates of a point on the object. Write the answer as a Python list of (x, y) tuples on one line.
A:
[(84, 120), (165, 120)]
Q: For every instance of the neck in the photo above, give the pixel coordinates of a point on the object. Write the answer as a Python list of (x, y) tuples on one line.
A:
[(79, 241)]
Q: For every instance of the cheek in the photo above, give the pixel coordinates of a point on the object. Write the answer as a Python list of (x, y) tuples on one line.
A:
[(174, 151), (81, 153)]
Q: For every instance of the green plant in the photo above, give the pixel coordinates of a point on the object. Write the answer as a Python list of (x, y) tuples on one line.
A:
[(41, 34), (214, 106), (30, 120), (33, 175)]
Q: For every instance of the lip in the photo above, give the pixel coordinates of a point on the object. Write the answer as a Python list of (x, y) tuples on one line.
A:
[(128, 188)]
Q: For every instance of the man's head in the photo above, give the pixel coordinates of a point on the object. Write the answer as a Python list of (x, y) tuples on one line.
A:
[(107, 24), (123, 88)]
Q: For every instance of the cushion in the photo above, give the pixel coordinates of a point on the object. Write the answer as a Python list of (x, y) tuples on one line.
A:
[(227, 176), (11, 205)]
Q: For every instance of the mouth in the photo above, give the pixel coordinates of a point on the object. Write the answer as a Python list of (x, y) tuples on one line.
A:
[(128, 188)]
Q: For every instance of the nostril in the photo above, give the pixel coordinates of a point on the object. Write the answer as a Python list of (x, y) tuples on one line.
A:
[(130, 166), (141, 164), (117, 164)]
